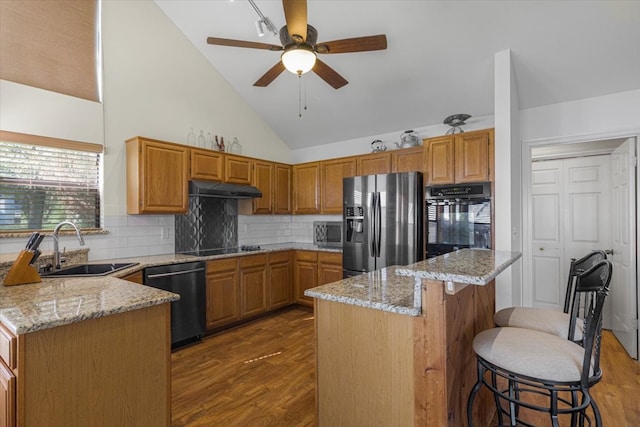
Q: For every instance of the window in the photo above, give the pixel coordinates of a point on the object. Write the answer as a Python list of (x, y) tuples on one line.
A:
[(44, 184)]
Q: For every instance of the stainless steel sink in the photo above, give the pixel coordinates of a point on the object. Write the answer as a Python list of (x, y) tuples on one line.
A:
[(89, 270)]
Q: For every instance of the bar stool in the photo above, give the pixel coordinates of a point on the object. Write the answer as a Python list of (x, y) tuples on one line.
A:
[(549, 320), (523, 363)]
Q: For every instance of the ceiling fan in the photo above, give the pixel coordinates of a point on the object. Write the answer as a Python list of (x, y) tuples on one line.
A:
[(299, 46)]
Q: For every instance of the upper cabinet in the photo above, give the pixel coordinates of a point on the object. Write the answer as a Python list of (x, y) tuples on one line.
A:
[(237, 169), (306, 188), (407, 160), (263, 180), (157, 177), (206, 165), (282, 189), (331, 174), (463, 157), (375, 163)]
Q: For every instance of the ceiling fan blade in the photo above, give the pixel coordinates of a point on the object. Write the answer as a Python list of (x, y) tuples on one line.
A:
[(295, 14), (329, 75), (270, 75), (242, 43), (356, 44)]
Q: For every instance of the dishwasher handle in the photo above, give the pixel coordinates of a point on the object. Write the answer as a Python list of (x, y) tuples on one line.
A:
[(175, 273)]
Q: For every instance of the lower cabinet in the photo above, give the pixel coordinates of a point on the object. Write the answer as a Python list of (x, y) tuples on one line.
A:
[(305, 275), (7, 396), (223, 303), (279, 275), (315, 268), (242, 287), (253, 285)]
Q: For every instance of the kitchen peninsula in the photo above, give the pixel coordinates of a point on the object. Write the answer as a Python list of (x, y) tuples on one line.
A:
[(84, 351), (394, 346)]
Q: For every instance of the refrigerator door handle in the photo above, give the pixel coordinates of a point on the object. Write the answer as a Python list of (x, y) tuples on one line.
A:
[(372, 220), (378, 224)]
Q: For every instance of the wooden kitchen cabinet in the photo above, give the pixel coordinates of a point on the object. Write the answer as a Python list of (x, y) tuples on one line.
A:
[(375, 163), (279, 274), (305, 275), (136, 277), (111, 370), (331, 174), (329, 267), (407, 160), (157, 177), (282, 189), (463, 157), (206, 165), (223, 296), (263, 180), (306, 188), (253, 285), (237, 169), (8, 356)]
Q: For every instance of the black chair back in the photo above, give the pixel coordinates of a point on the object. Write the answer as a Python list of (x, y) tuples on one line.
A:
[(576, 267)]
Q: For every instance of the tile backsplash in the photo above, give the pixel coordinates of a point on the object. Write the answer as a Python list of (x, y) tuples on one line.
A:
[(144, 235)]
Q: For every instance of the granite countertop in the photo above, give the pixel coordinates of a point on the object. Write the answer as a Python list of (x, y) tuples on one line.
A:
[(59, 301), (398, 289), (382, 289)]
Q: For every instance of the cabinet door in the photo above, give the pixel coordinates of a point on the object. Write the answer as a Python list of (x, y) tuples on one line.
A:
[(472, 157), (407, 160), (263, 180), (207, 165), (332, 173), (372, 164), (237, 169), (306, 185), (223, 304), (134, 277), (440, 160), (282, 189), (329, 267), (7, 396), (305, 275), (279, 275), (157, 177), (253, 285)]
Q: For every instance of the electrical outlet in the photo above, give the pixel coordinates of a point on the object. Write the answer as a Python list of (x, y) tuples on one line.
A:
[(164, 232)]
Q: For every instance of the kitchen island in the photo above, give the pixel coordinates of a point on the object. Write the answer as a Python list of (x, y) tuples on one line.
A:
[(85, 351), (394, 346)]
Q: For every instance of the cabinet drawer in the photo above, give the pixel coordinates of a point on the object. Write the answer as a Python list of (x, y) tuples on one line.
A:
[(330, 258), (307, 256), (252, 260), (217, 266), (7, 347), (275, 257)]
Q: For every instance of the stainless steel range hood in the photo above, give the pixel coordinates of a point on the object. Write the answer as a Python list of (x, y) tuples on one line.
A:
[(222, 190)]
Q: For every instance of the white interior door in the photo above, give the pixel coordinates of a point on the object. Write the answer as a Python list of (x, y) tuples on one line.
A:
[(547, 229), (624, 284), (570, 217)]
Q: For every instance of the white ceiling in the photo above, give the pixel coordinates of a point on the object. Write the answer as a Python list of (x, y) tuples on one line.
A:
[(439, 59)]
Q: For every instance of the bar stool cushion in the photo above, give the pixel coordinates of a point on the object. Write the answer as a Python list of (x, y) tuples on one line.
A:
[(531, 353), (539, 319)]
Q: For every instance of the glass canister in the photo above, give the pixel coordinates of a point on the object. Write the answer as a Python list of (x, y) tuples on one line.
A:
[(235, 146)]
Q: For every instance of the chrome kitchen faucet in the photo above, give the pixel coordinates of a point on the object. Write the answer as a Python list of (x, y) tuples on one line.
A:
[(56, 248)]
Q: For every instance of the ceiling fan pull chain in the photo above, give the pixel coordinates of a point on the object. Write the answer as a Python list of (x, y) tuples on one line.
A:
[(299, 96), (305, 97)]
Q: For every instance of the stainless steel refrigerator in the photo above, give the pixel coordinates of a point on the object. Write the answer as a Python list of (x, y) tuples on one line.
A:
[(382, 221)]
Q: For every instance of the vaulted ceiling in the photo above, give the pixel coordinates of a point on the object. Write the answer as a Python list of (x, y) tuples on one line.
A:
[(439, 59)]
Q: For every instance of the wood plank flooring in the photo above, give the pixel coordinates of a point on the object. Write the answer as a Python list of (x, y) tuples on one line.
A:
[(263, 374)]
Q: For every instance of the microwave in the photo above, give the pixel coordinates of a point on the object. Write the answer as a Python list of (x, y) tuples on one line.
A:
[(327, 233)]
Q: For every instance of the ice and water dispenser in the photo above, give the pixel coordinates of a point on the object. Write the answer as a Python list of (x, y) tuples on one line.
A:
[(354, 223)]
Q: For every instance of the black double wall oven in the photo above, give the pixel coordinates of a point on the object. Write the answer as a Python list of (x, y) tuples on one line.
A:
[(457, 216)]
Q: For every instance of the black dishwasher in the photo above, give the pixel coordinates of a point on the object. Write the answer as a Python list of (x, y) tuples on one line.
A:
[(188, 313)]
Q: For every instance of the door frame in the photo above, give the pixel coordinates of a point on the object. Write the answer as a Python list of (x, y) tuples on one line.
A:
[(528, 145)]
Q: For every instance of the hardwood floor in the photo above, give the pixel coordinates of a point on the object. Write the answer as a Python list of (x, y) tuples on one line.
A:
[(263, 374)]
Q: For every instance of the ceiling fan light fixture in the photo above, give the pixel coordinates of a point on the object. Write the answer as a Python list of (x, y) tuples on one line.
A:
[(299, 59)]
